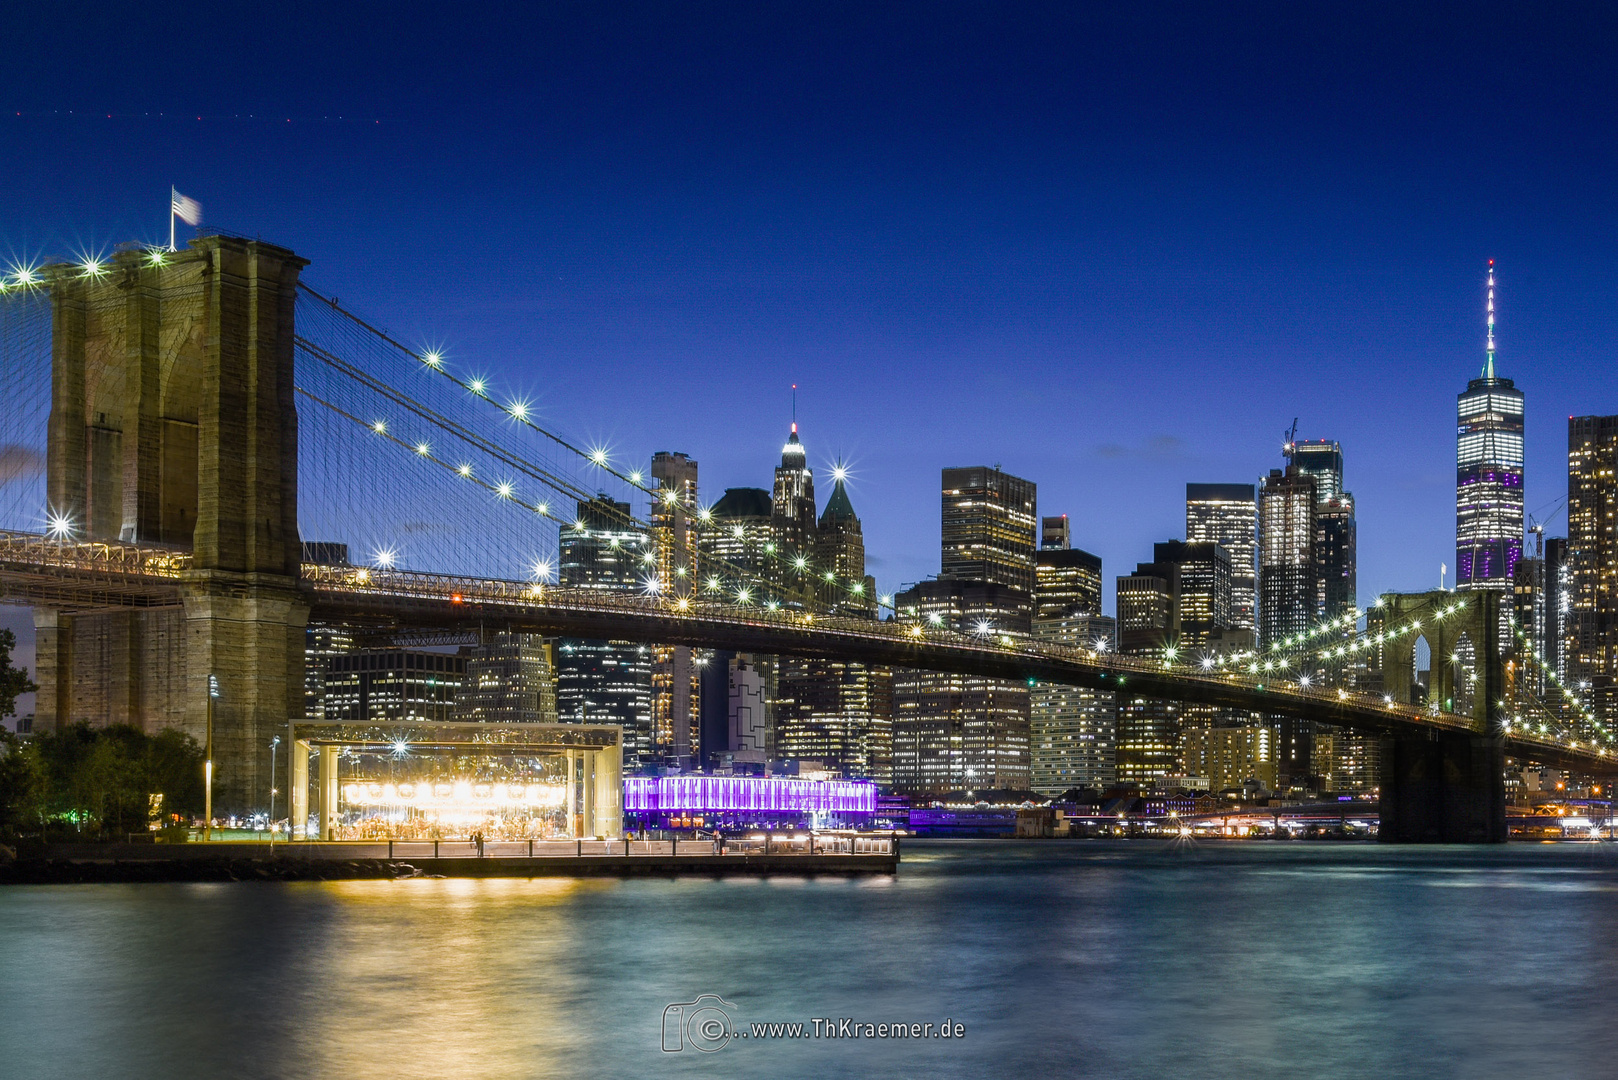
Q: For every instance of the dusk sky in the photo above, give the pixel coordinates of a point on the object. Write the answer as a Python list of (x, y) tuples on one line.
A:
[(1112, 250)]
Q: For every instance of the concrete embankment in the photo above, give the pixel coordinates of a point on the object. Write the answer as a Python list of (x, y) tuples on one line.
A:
[(87, 863)]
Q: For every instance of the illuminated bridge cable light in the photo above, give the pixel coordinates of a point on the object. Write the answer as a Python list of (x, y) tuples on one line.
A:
[(478, 388)]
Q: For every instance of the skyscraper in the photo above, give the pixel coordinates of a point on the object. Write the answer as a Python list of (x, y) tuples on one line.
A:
[(1336, 532), (1178, 602), (1289, 596), (1067, 582), (1287, 582), (1489, 475), (1227, 515), (956, 732), (837, 712), (988, 527), (793, 507), (1321, 459), (1072, 731), (675, 686), (839, 549), (606, 682), (1202, 601), (510, 678), (1592, 561)]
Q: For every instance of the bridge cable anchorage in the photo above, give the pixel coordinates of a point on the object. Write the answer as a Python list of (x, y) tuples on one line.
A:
[(519, 412)]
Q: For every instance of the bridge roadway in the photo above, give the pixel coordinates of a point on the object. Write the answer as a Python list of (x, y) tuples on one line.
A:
[(78, 575)]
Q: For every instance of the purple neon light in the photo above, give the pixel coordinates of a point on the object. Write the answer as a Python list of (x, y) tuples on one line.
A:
[(668, 794)]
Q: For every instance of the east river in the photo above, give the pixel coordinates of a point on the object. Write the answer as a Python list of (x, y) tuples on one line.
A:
[(1126, 959)]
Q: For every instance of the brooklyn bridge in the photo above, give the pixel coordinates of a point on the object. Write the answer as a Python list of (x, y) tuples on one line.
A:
[(182, 425)]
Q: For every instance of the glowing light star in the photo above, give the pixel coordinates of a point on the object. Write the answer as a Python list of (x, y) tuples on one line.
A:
[(385, 557), (859, 588), (61, 526), (887, 599), (380, 427), (432, 359), (839, 473), (156, 256), (936, 619), (542, 569), (830, 576), (423, 449), (714, 583), (653, 585), (1304, 681), (519, 410), (542, 508), (634, 478), (93, 267), (983, 627), (598, 456), (465, 470), (705, 515), (744, 594), (504, 491), (400, 748), (1207, 663), (683, 604), (476, 386)]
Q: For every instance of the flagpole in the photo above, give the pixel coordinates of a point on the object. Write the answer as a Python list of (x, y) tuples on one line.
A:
[(171, 217)]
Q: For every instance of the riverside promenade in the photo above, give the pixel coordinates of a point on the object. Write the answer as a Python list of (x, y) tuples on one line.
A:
[(233, 860)]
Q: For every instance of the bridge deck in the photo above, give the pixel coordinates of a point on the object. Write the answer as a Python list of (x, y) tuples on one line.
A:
[(37, 569)]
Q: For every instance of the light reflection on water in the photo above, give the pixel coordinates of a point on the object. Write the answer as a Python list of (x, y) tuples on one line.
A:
[(1115, 959)]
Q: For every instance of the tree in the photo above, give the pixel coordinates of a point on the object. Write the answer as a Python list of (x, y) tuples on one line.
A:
[(14, 682), (103, 779), (22, 784)]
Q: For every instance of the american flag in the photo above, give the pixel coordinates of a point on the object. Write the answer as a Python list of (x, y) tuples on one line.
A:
[(186, 209)]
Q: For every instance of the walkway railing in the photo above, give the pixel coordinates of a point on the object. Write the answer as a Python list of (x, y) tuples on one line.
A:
[(752, 844)]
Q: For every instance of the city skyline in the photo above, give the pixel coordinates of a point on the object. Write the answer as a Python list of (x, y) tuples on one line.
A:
[(1141, 291), (971, 497)]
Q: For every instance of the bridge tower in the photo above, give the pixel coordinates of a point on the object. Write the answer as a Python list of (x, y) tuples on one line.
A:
[(1445, 786), (173, 423)]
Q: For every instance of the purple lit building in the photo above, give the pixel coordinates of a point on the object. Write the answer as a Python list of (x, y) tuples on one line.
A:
[(662, 802), (1489, 475)]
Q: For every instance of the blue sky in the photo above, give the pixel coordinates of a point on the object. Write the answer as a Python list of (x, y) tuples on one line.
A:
[(1112, 248)]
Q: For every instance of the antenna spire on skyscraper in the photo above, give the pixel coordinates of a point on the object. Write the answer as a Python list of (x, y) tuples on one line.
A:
[(1488, 363)]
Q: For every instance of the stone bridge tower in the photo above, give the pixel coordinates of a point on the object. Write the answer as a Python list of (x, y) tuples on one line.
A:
[(173, 423), (1440, 786)]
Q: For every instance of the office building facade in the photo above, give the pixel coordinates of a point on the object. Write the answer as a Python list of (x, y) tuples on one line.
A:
[(1227, 515), (1591, 643), (988, 525), (607, 682), (1072, 730)]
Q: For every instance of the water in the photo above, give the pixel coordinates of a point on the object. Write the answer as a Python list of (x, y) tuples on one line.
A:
[(1105, 959)]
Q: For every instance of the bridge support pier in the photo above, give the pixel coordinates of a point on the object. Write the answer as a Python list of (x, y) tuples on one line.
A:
[(1443, 788)]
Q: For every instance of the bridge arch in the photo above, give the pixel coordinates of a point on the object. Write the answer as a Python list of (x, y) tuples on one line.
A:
[(1448, 631)]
